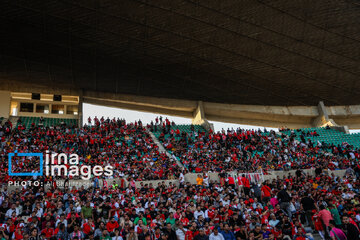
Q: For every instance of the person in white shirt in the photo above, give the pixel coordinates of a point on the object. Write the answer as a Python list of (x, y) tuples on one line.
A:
[(198, 213), (182, 179), (206, 179), (181, 231), (139, 209), (11, 210), (216, 235)]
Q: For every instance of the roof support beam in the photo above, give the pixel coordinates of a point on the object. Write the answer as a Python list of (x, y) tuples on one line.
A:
[(323, 118), (199, 117), (202, 112)]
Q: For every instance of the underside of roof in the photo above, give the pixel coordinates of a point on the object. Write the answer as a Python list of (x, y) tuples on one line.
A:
[(260, 52)]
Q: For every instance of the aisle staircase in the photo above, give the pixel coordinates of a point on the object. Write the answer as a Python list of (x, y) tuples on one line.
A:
[(162, 149)]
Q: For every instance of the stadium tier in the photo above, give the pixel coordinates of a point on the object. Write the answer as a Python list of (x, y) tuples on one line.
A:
[(233, 207), (250, 151), (325, 135), (127, 147), (255, 63)]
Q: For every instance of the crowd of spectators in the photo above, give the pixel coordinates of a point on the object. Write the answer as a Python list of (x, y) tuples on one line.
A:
[(127, 147), (295, 207), (251, 150)]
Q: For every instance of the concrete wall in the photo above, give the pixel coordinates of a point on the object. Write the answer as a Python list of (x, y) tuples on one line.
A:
[(48, 115), (5, 104), (190, 177)]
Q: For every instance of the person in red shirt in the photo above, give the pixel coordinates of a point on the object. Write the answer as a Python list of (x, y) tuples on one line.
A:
[(231, 181), (88, 227), (189, 235), (110, 226), (265, 192), (48, 231), (18, 234), (246, 184)]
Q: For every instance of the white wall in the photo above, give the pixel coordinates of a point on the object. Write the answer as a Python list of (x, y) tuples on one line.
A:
[(4, 104)]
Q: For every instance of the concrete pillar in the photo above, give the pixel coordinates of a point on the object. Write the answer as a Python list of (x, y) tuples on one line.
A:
[(199, 117), (5, 99), (323, 118), (80, 109)]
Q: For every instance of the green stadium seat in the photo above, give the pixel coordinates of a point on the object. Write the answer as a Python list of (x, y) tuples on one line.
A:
[(48, 122)]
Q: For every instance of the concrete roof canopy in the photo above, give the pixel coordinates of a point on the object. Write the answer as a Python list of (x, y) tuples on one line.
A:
[(264, 52)]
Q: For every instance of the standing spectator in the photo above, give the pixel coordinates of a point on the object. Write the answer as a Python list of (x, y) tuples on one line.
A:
[(308, 205), (246, 183), (284, 199), (265, 192), (350, 229), (325, 216), (199, 180), (336, 233)]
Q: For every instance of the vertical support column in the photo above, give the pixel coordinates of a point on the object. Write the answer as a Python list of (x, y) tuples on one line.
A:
[(50, 109), (5, 106), (80, 109), (323, 118), (199, 117)]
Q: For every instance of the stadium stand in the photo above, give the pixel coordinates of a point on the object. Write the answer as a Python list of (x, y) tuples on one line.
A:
[(250, 150), (325, 135), (128, 147), (298, 206)]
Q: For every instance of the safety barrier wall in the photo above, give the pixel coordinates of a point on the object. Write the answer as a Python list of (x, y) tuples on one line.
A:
[(189, 177)]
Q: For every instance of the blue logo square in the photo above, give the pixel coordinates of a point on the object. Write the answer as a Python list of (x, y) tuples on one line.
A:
[(40, 155)]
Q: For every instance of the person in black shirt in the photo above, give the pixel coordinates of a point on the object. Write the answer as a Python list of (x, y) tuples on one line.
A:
[(299, 173), (106, 209), (308, 205), (170, 232), (242, 234), (72, 222), (318, 171), (284, 199), (133, 215), (201, 235), (350, 229), (235, 221), (286, 227), (257, 232), (189, 215)]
